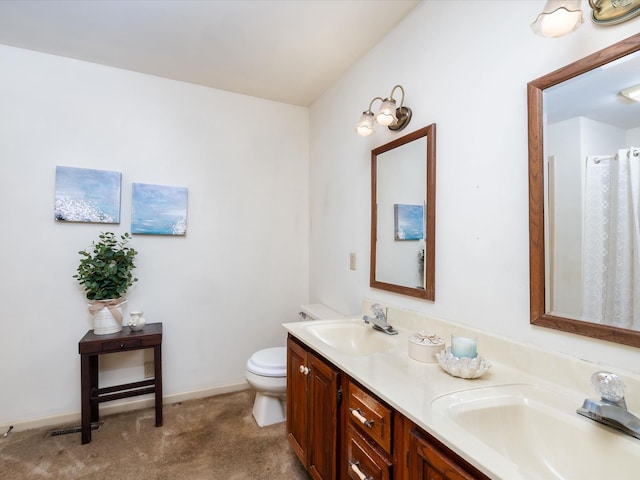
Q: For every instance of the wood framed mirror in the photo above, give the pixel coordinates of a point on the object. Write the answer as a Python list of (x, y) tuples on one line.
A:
[(568, 123), (403, 214)]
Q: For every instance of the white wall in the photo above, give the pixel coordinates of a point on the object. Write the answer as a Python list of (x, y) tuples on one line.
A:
[(248, 259), (222, 291), (465, 66)]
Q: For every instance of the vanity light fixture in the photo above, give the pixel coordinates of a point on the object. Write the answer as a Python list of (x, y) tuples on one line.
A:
[(560, 17), (389, 116), (632, 93)]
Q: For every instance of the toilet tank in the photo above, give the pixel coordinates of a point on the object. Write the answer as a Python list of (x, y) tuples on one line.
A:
[(318, 311)]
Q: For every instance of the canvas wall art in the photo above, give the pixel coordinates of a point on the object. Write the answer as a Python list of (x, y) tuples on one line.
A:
[(87, 195), (158, 209), (409, 221)]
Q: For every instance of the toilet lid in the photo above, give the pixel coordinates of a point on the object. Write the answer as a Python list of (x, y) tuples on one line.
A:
[(270, 362)]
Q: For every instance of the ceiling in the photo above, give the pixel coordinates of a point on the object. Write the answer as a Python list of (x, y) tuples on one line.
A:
[(289, 51), (596, 95)]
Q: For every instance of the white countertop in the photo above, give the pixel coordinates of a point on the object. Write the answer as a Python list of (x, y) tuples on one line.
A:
[(410, 386)]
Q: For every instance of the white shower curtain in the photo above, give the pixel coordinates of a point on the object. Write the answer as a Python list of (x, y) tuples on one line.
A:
[(611, 239)]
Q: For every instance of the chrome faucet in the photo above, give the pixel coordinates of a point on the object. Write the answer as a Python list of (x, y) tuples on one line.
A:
[(379, 322), (611, 409)]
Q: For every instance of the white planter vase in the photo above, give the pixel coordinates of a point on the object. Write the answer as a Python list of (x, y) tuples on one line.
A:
[(107, 316)]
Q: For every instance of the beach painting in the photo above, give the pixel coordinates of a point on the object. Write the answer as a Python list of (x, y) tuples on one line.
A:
[(409, 221), (158, 209), (87, 195)]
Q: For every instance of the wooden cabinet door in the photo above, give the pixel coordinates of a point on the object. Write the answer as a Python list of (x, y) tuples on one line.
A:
[(297, 403), (428, 461), (312, 411), (324, 383)]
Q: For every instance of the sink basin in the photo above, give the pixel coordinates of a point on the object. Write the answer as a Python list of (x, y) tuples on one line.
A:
[(539, 431), (351, 336)]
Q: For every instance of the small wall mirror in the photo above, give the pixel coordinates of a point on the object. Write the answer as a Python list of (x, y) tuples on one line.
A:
[(403, 183), (584, 191)]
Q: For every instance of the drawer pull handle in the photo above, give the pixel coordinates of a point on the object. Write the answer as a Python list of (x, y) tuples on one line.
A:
[(355, 467), (304, 370), (122, 345), (358, 414)]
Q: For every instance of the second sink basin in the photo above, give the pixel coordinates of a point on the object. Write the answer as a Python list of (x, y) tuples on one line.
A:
[(538, 429), (351, 336)]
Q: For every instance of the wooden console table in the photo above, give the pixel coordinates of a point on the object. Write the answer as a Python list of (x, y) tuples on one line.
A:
[(91, 346)]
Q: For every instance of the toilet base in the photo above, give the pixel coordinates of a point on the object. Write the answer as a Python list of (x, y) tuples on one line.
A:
[(269, 409)]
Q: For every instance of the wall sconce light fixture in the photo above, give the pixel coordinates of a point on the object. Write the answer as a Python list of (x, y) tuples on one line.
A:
[(388, 115), (559, 17)]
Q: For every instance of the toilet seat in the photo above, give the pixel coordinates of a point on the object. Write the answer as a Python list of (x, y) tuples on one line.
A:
[(270, 362)]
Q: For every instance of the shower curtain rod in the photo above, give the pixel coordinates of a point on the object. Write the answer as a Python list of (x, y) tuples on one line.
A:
[(597, 160)]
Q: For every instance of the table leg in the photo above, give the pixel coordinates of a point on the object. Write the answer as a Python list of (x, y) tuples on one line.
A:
[(93, 387), (157, 366), (85, 398)]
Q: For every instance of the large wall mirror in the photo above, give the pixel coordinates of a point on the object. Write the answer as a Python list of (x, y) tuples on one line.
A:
[(584, 196), (403, 214)]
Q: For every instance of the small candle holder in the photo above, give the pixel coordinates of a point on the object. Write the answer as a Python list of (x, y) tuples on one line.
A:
[(464, 367), (136, 321), (464, 347)]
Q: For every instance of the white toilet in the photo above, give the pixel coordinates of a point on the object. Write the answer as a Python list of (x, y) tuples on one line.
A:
[(267, 373)]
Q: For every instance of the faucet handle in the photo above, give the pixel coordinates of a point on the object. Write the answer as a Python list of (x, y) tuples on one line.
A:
[(609, 386), (377, 310)]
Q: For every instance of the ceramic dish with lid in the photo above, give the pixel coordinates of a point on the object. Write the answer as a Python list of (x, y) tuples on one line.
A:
[(423, 347)]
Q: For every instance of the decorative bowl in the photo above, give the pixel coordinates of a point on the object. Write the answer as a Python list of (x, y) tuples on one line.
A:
[(464, 367)]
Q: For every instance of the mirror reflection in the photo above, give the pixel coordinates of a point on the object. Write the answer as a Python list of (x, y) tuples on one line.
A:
[(593, 186), (403, 214), (585, 195)]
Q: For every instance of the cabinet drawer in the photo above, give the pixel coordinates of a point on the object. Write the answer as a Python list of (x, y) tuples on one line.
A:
[(371, 416), (121, 344), (363, 460)]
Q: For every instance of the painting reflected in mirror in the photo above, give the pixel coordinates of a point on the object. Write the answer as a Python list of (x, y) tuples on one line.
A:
[(584, 196), (403, 215)]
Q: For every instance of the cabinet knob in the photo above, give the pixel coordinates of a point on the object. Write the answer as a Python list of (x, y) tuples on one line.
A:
[(304, 370), (122, 345)]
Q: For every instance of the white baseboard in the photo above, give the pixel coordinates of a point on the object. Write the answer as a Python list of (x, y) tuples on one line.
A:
[(73, 418)]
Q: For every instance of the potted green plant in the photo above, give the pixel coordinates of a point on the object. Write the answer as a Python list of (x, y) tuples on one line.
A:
[(105, 273)]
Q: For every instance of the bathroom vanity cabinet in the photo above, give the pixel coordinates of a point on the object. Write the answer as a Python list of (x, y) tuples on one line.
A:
[(313, 391), (358, 436)]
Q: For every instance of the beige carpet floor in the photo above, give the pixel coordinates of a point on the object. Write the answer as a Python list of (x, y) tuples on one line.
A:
[(208, 439)]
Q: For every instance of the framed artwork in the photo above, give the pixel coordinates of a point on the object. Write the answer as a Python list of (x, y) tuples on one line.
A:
[(87, 195), (158, 209), (408, 221)]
